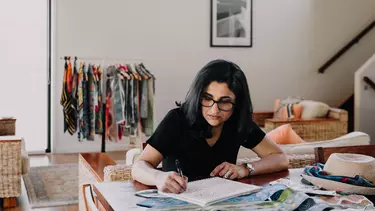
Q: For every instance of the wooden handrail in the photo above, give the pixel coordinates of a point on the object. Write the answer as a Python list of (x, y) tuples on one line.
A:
[(354, 41), (369, 82)]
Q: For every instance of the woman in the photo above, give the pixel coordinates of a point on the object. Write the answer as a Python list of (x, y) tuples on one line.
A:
[(205, 133)]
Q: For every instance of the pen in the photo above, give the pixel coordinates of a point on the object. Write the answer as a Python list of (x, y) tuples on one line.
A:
[(179, 168)]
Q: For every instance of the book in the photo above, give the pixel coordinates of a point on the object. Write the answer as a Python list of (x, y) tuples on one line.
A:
[(212, 190)]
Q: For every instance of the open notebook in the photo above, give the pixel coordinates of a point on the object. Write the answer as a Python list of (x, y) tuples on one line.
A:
[(212, 190)]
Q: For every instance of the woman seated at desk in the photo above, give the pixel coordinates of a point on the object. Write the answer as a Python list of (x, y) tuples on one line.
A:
[(205, 133)]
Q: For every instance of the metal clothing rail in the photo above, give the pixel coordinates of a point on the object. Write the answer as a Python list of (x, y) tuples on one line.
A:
[(103, 101), (102, 58)]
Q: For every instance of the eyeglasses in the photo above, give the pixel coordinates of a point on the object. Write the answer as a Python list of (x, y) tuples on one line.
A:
[(222, 105)]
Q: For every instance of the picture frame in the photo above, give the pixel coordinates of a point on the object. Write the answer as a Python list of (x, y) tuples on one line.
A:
[(231, 23)]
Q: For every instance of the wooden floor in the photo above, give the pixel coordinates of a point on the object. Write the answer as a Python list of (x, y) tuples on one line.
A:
[(50, 159)]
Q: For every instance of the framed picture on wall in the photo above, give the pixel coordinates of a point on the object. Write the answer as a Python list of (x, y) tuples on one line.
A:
[(231, 23)]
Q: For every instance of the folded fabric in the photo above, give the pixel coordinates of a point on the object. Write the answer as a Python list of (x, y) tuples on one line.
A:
[(348, 201), (317, 171)]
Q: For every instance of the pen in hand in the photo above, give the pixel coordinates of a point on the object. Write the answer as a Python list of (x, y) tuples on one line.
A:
[(179, 168)]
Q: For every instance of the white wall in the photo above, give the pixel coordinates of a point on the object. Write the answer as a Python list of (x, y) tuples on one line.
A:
[(291, 39), (23, 70), (365, 99)]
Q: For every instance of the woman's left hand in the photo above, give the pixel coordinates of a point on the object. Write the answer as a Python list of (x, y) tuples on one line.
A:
[(230, 171)]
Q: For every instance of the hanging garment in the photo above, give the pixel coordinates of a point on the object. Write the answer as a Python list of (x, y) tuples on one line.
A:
[(80, 97), (91, 97), (66, 101), (75, 93), (111, 126), (63, 97), (98, 106), (144, 98), (69, 77), (86, 103), (135, 110), (118, 93), (149, 121)]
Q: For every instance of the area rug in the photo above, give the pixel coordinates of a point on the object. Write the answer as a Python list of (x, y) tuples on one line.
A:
[(55, 185)]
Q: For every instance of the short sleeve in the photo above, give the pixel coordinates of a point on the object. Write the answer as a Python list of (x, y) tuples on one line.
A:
[(254, 137), (166, 133)]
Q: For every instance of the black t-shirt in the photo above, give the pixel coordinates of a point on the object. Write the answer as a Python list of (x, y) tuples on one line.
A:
[(175, 139)]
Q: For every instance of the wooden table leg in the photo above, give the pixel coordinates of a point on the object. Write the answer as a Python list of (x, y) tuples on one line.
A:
[(9, 202)]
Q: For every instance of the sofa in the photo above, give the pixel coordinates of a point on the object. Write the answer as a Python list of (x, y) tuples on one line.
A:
[(302, 154), (333, 125), (14, 162)]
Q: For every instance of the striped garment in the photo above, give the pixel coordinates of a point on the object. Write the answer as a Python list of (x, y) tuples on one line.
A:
[(66, 100)]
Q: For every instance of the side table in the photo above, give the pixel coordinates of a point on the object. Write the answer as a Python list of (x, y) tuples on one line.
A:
[(91, 170)]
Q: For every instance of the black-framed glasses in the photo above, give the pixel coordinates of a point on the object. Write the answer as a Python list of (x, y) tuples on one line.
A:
[(222, 105)]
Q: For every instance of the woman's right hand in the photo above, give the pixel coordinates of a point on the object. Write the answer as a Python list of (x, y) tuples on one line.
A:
[(171, 182)]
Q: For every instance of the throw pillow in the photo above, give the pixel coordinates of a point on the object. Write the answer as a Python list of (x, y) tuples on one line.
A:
[(313, 109), (287, 111), (285, 134)]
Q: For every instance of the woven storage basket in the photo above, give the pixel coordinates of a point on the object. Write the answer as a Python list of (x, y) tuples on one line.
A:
[(7, 127), (119, 172)]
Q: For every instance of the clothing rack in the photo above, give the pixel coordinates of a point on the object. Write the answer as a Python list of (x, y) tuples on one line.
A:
[(103, 59)]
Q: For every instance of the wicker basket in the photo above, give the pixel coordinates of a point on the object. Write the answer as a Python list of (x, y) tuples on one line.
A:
[(119, 172), (7, 127), (10, 168)]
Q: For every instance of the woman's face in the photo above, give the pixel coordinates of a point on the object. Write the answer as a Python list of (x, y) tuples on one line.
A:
[(217, 103)]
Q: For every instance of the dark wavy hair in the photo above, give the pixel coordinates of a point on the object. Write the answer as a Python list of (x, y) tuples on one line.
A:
[(221, 71)]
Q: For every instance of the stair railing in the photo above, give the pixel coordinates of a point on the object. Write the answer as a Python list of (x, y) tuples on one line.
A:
[(350, 44)]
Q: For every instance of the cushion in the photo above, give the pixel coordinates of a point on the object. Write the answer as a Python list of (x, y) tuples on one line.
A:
[(287, 110), (284, 134), (313, 109)]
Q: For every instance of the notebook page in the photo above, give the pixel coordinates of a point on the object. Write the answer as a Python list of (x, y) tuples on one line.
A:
[(208, 191)]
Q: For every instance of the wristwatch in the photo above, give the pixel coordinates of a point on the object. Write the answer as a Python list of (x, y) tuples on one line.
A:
[(250, 167)]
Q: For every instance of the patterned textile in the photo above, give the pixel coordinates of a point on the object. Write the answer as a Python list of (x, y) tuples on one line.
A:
[(66, 100), (91, 96), (111, 128), (80, 102), (86, 103), (121, 94), (348, 201), (98, 107), (75, 93), (317, 171), (276, 197)]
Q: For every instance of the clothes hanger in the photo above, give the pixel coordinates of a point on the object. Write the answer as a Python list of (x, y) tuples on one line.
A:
[(139, 74), (144, 74), (148, 72), (132, 71), (127, 70), (122, 71)]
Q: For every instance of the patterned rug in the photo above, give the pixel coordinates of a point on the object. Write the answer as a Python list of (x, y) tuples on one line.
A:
[(55, 185)]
